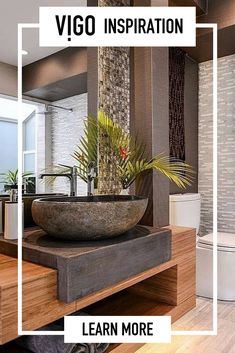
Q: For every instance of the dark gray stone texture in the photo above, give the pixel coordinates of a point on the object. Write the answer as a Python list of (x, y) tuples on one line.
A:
[(88, 218), (86, 267)]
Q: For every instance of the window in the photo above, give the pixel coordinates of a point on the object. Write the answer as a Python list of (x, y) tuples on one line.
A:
[(8, 146), (8, 136), (29, 144)]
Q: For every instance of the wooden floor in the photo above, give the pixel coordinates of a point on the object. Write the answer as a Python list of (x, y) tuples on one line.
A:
[(200, 318)]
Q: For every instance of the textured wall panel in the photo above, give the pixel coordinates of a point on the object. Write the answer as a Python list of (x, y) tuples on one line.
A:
[(66, 131), (226, 144), (114, 2), (41, 147), (190, 122), (114, 83), (57, 136), (176, 102), (114, 100)]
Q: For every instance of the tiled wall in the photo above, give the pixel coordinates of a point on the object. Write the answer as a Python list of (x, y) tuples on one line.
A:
[(114, 83), (114, 2), (67, 129), (64, 130), (113, 99), (226, 144)]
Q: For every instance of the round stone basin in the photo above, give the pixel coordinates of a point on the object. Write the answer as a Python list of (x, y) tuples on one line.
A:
[(88, 217)]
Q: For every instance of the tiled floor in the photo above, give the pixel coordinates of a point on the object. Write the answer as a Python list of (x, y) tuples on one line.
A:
[(200, 318)]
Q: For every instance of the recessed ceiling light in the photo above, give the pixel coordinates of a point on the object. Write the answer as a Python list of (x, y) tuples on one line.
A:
[(24, 52)]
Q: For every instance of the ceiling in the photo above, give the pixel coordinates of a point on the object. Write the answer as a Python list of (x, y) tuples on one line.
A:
[(25, 11)]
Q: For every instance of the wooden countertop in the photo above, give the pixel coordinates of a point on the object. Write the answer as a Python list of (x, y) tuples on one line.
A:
[(40, 304)]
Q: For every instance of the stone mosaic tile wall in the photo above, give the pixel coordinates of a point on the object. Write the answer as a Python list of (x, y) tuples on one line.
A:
[(114, 83), (114, 2), (226, 144), (113, 99)]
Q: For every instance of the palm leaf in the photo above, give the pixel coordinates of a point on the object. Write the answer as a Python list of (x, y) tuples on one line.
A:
[(104, 133), (87, 150)]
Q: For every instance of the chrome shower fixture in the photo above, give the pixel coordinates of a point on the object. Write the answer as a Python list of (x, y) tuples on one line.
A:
[(49, 111)]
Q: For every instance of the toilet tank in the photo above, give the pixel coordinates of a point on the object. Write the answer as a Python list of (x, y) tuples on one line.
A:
[(185, 210)]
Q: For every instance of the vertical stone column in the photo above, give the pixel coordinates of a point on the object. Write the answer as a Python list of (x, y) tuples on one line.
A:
[(113, 98)]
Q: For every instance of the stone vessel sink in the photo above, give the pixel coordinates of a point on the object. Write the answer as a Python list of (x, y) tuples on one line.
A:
[(88, 217), (28, 200)]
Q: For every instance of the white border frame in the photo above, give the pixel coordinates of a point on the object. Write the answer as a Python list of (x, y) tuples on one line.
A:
[(212, 332)]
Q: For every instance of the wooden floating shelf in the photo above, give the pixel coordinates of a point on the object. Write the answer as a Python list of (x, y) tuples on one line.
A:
[(168, 289)]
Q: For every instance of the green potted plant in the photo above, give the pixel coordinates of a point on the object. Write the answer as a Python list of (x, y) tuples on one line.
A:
[(126, 154), (10, 179)]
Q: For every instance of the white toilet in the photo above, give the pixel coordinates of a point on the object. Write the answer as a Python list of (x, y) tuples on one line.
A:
[(185, 211)]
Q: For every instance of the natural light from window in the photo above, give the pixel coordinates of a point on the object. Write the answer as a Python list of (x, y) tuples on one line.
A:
[(8, 109), (9, 137)]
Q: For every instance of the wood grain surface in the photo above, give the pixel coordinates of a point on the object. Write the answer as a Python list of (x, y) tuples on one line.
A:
[(168, 289)]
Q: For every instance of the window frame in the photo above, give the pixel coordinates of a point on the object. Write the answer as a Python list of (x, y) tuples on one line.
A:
[(34, 151)]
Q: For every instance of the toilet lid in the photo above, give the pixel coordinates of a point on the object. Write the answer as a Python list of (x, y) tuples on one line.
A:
[(225, 240), (184, 197)]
